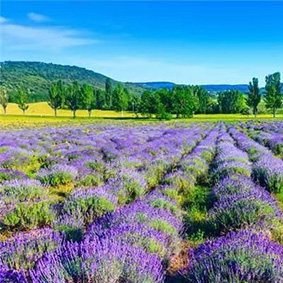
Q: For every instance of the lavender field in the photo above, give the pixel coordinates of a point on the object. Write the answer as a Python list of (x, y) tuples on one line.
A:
[(145, 202)]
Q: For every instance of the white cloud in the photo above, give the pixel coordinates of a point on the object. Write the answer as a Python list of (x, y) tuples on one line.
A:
[(39, 18), (20, 37), (3, 20)]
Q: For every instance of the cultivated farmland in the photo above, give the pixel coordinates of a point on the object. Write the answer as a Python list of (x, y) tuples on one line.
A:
[(142, 202)]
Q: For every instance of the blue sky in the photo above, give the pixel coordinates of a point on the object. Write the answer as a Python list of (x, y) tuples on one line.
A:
[(184, 42)]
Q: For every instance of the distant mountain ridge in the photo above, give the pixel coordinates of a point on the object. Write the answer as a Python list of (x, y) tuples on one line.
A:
[(210, 88), (37, 76)]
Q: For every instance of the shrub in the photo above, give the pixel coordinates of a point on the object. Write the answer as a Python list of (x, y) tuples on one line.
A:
[(268, 171), (22, 190), (237, 257), (58, 174), (27, 216), (25, 248), (99, 261), (87, 204)]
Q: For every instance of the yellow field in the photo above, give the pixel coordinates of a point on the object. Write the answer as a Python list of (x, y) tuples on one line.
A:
[(43, 109), (40, 114)]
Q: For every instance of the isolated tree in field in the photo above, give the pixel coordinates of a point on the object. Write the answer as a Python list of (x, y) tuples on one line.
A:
[(4, 98), (231, 102), (56, 96), (108, 93), (74, 98), (273, 97), (254, 96), (22, 99), (88, 98), (120, 99)]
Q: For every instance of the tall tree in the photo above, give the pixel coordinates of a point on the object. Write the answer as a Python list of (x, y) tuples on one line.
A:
[(149, 103), (254, 96), (88, 98), (193, 96), (4, 98), (134, 103), (164, 104), (185, 100), (120, 99), (203, 99), (273, 97), (99, 98), (231, 101), (22, 99), (74, 97), (108, 93), (56, 96)]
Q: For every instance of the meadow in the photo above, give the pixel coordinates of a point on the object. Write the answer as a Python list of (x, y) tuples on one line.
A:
[(85, 200), (41, 111)]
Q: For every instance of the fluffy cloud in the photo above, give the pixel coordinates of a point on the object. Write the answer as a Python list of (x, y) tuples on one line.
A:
[(38, 17), (3, 20), (22, 37)]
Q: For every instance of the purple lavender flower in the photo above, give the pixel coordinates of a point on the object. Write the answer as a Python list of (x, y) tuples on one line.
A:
[(98, 261), (237, 257), (25, 248), (85, 205), (268, 171), (9, 174), (11, 276), (57, 174), (22, 190)]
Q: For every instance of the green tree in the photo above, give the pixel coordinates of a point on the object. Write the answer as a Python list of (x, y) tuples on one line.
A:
[(254, 96), (149, 103), (120, 99), (74, 97), (134, 103), (164, 104), (88, 98), (231, 101), (193, 97), (203, 99), (185, 100), (99, 98), (273, 97), (22, 99), (56, 96), (108, 93), (4, 98)]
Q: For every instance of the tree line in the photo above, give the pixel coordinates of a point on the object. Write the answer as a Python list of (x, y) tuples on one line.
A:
[(181, 101)]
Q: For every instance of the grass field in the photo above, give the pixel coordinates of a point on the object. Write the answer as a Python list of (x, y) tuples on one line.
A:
[(41, 114), (43, 109)]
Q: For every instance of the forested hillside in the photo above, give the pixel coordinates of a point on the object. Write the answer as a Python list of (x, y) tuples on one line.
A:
[(38, 76)]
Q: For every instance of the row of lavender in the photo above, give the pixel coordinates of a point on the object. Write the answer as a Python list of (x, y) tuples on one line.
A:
[(249, 214), (267, 169), (124, 168), (267, 134), (152, 223), (135, 242)]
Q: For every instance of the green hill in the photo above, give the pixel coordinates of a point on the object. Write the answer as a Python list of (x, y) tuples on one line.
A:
[(37, 77)]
